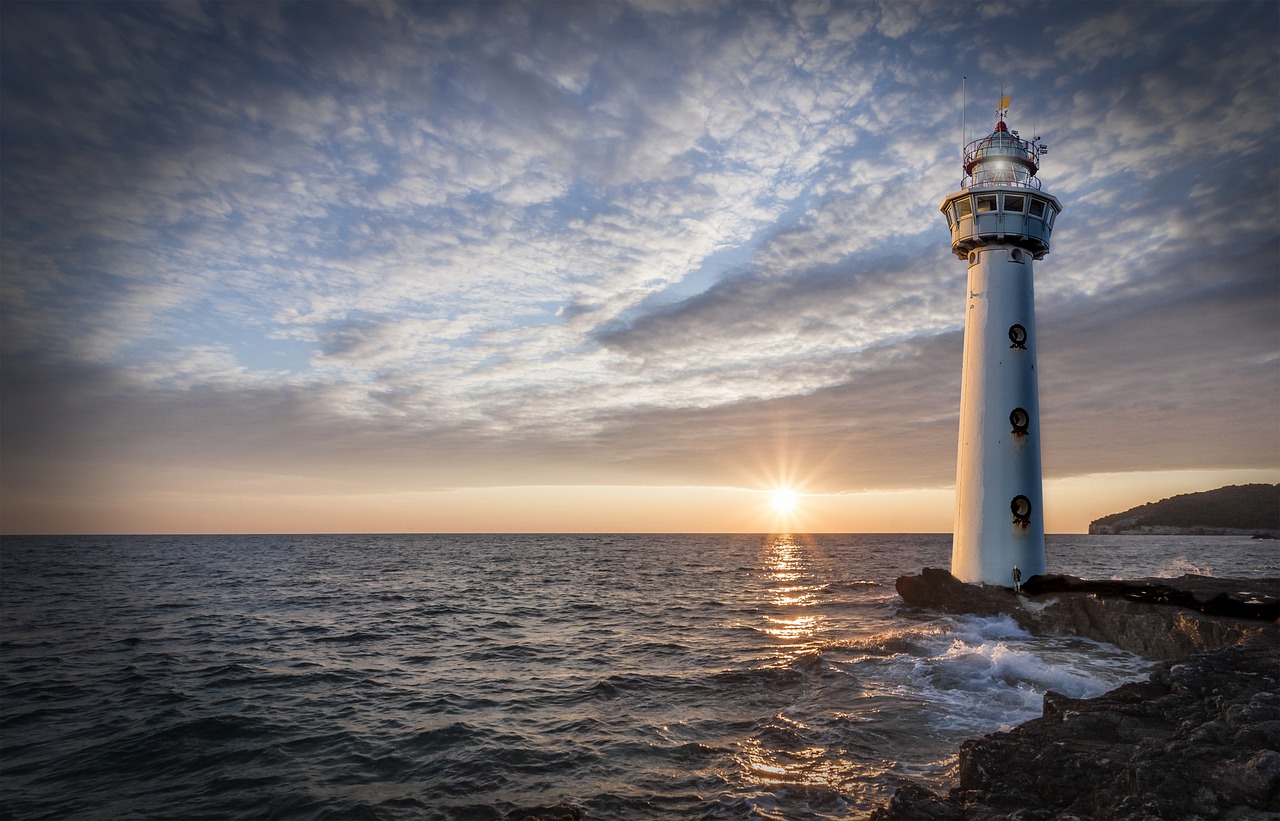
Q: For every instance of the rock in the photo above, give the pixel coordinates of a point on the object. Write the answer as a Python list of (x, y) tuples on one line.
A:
[(1165, 748), (1199, 740), (1227, 604), (913, 801), (1237, 598), (936, 589), (1252, 782), (1156, 618)]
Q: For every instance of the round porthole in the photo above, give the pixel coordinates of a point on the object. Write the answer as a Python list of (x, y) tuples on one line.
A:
[(1021, 507), (1020, 420), (1018, 336), (973, 257)]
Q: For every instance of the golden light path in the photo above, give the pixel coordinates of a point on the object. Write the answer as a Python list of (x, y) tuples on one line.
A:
[(793, 589), (790, 589)]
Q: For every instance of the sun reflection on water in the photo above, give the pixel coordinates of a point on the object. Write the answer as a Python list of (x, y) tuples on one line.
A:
[(798, 596), (800, 627), (806, 767), (785, 752), (791, 586)]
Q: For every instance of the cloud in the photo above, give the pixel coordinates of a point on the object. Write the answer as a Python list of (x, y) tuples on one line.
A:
[(561, 242)]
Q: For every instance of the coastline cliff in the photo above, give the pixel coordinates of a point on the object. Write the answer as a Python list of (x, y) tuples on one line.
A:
[(1236, 510), (1199, 740)]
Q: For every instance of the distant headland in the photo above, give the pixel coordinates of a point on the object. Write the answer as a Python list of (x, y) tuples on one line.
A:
[(1236, 510)]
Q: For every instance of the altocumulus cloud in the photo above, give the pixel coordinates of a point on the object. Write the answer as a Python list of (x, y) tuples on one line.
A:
[(424, 245)]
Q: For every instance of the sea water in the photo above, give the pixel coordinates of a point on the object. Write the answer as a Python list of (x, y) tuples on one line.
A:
[(463, 676)]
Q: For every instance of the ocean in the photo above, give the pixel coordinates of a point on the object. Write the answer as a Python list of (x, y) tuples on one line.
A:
[(464, 676)]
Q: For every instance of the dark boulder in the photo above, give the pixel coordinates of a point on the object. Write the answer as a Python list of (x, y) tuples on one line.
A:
[(936, 589), (915, 802)]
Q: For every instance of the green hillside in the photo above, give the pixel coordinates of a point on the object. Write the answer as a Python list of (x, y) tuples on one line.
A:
[(1237, 507)]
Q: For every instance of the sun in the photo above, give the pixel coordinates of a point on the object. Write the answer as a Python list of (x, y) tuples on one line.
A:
[(784, 500)]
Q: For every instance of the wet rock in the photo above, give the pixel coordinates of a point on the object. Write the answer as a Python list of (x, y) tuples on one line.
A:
[(936, 589), (1155, 618), (1236, 598), (1251, 781), (913, 801), (1199, 740), (1168, 748)]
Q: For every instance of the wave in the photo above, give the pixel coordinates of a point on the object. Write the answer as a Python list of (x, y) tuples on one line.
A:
[(623, 683), (856, 585), (398, 678), (357, 637), (992, 672), (1182, 566), (509, 652), (908, 642), (449, 735), (770, 678)]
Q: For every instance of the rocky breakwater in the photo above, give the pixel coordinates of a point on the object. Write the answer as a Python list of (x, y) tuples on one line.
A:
[(1155, 618), (1199, 740)]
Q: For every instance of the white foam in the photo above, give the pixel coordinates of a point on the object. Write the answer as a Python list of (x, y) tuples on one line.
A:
[(1037, 606), (991, 674), (977, 629), (1181, 566)]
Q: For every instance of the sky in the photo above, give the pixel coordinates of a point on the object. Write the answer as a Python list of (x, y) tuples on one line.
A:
[(382, 267)]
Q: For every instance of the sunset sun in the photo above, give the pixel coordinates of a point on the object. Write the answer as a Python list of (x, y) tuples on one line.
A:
[(784, 500)]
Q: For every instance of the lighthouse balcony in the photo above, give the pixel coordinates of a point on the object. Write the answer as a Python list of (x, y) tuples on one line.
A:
[(1015, 216)]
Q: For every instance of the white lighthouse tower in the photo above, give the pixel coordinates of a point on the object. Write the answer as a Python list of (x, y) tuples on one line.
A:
[(1000, 223)]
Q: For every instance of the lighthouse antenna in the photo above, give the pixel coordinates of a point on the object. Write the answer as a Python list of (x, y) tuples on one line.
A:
[(963, 136)]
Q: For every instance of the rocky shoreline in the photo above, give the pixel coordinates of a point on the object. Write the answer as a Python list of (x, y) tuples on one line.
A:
[(1199, 740)]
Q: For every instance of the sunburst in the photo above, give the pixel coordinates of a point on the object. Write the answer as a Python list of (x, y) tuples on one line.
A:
[(784, 499)]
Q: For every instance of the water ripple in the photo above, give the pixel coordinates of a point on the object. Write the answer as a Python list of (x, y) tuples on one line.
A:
[(461, 677)]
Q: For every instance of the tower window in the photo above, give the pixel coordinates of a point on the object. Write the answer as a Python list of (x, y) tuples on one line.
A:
[(1037, 208), (986, 203), (1015, 203), (1021, 509), (964, 208), (1052, 213), (1016, 255), (1017, 336), (1021, 421), (973, 257)]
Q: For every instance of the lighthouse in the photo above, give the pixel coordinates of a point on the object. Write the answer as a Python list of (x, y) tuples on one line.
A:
[(1000, 222)]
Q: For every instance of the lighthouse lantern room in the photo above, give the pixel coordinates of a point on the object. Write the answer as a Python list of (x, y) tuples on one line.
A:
[(1000, 222)]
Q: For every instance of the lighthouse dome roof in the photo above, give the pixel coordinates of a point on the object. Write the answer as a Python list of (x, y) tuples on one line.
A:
[(1001, 158)]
